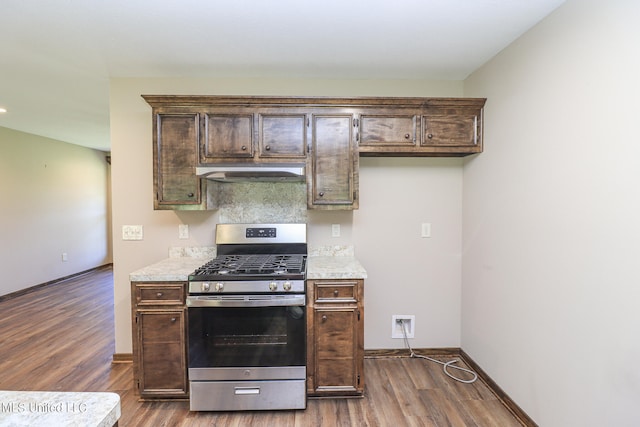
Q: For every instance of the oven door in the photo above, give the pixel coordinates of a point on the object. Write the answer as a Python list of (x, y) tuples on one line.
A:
[(257, 337)]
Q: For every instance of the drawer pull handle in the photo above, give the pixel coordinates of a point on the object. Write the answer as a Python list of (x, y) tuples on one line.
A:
[(246, 390), (159, 294)]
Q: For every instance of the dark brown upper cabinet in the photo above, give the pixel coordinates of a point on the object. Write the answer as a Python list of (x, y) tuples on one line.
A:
[(450, 127), (227, 135), (175, 153), (387, 128), (332, 173), (328, 134), (282, 135)]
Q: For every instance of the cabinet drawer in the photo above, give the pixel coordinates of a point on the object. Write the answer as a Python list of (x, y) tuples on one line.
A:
[(336, 292), (160, 294)]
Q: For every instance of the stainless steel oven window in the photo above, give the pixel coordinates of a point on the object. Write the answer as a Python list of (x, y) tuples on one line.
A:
[(247, 336)]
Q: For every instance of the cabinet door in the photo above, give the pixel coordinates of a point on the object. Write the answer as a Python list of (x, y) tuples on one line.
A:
[(163, 368), (336, 336), (282, 135), (175, 149), (378, 131), (332, 183), (459, 130), (227, 136)]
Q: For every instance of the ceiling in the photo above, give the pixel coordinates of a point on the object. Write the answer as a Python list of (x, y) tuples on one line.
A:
[(58, 55)]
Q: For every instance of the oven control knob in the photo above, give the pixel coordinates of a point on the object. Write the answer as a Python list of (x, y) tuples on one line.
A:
[(205, 287), (286, 286), (273, 286), (219, 287)]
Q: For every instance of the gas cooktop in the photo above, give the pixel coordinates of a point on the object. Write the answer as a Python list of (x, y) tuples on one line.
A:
[(252, 267)]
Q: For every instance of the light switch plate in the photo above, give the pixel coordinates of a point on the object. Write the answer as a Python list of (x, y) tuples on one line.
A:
[(426, 229), (183, 231), (335, 230), (131, 232)]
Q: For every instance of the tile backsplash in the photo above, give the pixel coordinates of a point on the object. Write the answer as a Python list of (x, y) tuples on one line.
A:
[(259, 202)]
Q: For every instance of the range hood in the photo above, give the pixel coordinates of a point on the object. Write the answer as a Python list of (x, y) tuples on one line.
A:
[(269, 172)]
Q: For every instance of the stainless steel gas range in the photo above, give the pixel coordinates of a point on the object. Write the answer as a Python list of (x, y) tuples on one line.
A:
[(247, 320)]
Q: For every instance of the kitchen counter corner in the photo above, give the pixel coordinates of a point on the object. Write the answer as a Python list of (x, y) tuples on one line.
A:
[(49, 408)]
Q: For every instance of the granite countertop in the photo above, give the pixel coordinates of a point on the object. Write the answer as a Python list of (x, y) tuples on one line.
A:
[(177, 268), (168, 270), (334, 267), (334, 262), (330, 262), (64, 409)]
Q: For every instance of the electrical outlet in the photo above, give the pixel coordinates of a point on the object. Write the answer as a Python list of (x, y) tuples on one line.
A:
[(131, 232), (65, 258), (335, 230), (183, 231), (425, 229), (400, 321)]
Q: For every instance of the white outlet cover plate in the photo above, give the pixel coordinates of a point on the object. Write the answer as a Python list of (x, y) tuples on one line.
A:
[(396, 327)]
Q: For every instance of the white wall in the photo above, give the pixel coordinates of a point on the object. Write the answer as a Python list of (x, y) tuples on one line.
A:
[(396, 195), (409, 274), (550, 211), (54, 200)]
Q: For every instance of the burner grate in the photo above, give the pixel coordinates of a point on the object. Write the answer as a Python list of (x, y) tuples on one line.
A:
[(253, 264)]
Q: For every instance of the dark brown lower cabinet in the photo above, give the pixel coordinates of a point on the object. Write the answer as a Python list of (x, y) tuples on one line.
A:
[(159, 340), (335, 338)]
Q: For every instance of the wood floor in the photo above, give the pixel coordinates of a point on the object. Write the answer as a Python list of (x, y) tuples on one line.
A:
[(60, 337)]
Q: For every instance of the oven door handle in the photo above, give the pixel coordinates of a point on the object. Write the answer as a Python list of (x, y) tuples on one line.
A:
[(245, 301)]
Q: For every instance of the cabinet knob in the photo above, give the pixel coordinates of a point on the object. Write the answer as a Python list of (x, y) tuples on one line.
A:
[(335, 293), (324, 318), (173, 320), (430, 136), (268, 147), (407, 136), (159, 294), (190, 195), (321, 193), (244, 148)]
